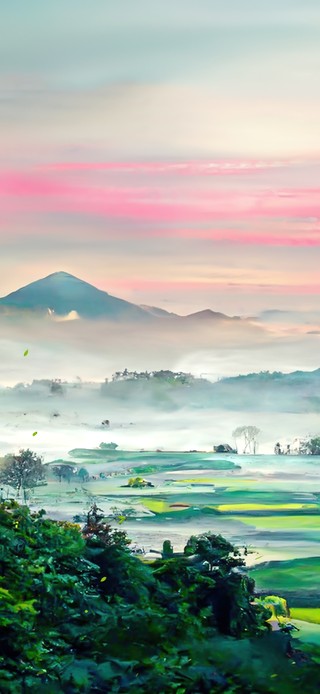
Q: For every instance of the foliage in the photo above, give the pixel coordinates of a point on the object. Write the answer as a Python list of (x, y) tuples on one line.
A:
[(311, 447), (167, 549), (277, 605), (79, 613), (64, 472), (165, 376), (138, 483), (22, 471), (83, 474)]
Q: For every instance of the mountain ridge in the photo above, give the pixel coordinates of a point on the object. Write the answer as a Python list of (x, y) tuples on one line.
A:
[(61, 294)]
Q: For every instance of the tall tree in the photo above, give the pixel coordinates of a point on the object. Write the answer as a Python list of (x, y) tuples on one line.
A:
[(249, 435), (22, 471)]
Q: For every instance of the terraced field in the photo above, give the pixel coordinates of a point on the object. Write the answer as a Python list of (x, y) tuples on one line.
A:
[(267, 503)]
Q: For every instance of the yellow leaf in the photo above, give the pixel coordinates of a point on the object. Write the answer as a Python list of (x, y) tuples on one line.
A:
[(103, 579)]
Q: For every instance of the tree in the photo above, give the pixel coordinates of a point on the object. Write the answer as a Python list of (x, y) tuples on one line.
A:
[(167, 549), (80, 613), (214, 551), (277, 606), (64, 472), (83, 474), (96, 529), (22, 471), (311, 447), (249, 434), (56, 387)]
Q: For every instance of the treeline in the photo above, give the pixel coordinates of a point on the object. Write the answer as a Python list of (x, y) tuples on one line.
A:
[(163, 375), (79, 613)]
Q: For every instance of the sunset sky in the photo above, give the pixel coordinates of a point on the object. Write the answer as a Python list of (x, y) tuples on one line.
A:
[(166, 151)]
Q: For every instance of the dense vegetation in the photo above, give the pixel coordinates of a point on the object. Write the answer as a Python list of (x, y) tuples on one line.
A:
[(79, 613)]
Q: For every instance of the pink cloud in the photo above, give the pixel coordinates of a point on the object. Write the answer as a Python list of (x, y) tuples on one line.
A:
[(181, 286), (239, 237), (219, 167), (43, 193)]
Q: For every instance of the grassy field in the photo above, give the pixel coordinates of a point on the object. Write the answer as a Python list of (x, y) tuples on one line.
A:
[(296, 575), (309, 633), (272, 506)]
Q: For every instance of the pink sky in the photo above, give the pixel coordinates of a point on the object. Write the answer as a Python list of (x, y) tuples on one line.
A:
[(168, 233)]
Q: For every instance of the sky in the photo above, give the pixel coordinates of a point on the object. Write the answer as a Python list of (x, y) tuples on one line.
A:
[(167, 152)]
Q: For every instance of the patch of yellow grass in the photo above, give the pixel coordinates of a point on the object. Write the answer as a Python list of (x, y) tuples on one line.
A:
[(310, 522), (264, 507), (158, 506), (155, 505), (306, 614)]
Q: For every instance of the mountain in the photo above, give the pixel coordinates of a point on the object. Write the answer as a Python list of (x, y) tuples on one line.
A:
[(210, 315), (62, 294), (158, 312)]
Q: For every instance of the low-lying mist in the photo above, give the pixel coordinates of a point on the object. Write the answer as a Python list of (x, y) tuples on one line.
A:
[(93, 350)]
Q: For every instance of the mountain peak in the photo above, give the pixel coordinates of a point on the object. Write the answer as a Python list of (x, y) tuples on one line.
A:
[(61, 276), (207, 314), (65, 294), (61, 273)]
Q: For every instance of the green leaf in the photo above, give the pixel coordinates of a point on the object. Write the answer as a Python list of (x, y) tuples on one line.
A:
[(25, 354), (34, 433)]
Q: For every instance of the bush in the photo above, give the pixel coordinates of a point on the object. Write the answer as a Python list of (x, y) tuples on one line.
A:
[(79, 613)]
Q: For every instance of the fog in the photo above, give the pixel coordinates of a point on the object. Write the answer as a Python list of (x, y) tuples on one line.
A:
[(74, 420), (188, 419), (93, 350)]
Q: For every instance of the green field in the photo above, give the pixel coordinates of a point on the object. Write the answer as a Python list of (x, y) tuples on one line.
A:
[(296, 575), (276, 515)]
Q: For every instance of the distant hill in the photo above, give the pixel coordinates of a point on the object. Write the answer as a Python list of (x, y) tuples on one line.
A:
[(294, 392), (210, 315), (298, 391)]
